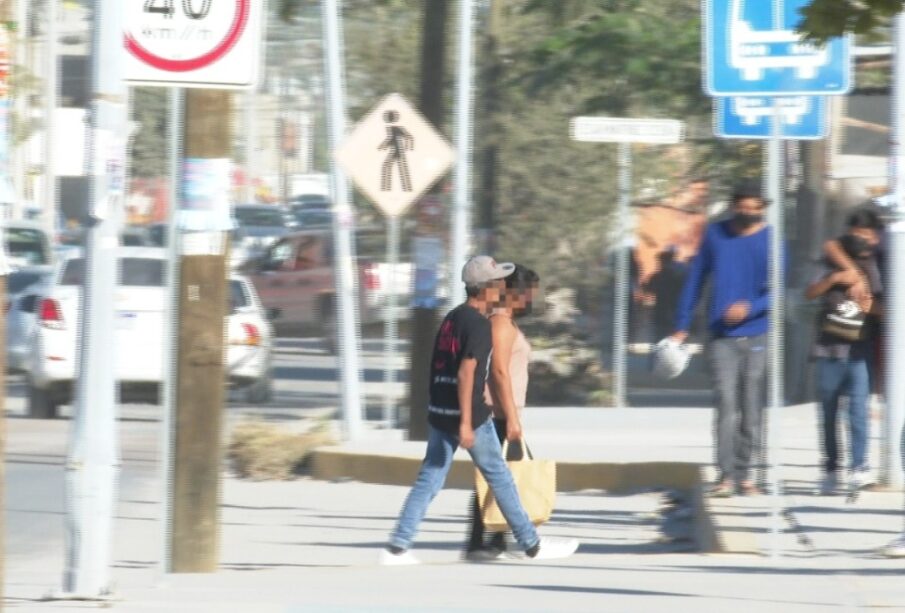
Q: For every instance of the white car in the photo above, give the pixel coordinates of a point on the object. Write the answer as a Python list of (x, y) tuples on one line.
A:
[(140, 304), (24, 288)]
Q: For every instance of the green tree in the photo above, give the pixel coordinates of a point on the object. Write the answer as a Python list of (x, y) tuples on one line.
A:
[(149, 148), (824, 19)]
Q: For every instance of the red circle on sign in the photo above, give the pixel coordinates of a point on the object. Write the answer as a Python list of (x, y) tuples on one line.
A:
[(222, 48)]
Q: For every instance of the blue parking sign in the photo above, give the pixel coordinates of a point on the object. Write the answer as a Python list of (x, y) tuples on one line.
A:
[(751, 48), (800, 117)]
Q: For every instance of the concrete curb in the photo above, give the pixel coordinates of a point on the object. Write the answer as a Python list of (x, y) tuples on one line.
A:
[(331, 464)]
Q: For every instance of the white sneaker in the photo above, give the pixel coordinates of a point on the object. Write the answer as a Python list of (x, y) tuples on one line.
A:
[(388, 558), (895, 549), (861, 478), (552, 548), (829, 485)]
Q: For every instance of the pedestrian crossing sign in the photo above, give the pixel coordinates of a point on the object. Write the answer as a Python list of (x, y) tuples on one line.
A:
[(394, 155)]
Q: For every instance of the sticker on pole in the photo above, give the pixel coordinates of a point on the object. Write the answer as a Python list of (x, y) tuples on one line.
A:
[(394, 155), (193, 43)]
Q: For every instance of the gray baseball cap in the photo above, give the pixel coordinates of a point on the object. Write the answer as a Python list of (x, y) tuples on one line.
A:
[(482, 269)]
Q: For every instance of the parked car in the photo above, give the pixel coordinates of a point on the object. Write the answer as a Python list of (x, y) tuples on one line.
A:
[(313, 218), (27, 244), (249, 343), (140, 305), (295, 279), (309, 201), (24, 288), (257, 227)]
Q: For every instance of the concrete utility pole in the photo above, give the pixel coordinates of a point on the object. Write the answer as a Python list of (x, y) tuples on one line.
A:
[(200, 378), (92, 466), (424, 316), (891, 468)]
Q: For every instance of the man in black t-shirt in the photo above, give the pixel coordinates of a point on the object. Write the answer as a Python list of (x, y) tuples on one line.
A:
[(458, 415)]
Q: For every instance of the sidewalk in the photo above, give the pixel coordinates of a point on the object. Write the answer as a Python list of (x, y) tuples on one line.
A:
[(311, 545)]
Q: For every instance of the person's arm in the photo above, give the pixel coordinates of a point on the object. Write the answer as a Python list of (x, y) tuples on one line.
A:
[(465, 391), (691, 291), (503, 335), (821, 286), (857, 288)]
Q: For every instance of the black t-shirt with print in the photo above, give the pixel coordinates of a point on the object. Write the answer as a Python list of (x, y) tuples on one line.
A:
[(464, 333)]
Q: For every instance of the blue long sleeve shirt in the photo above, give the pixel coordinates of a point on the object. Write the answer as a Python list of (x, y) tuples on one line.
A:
[(739, 266)]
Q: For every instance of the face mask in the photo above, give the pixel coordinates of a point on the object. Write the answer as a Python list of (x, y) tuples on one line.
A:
[(746, 220)]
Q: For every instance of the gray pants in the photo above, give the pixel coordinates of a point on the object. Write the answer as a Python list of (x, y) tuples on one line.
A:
[(738, 366)]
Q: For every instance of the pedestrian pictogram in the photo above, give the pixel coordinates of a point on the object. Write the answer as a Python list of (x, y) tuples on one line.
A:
[(394, 155), (397, 142)]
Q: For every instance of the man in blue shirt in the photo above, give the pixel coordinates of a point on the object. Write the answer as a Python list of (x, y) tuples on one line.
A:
[(734, 254)]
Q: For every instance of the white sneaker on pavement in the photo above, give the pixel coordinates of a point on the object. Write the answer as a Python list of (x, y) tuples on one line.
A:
[(552, 548), (861, 478), (388, 558), (895, 549)]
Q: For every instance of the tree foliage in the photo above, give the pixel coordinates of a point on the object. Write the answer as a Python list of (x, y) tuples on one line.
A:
[(824, 19)]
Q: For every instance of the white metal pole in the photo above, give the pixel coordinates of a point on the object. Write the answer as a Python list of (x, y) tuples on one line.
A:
[(20, 104), (51, 68), (891, 468), (620, 294), (171, 332), (251, 137), (343, 228), (390, 326), (92, 466), (461, 222), (773, 413)]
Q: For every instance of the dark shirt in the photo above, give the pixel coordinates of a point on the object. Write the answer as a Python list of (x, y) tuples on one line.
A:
[(828, 345), (464, 333)]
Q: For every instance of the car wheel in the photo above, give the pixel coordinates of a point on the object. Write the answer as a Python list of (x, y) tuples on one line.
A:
[(261, 391), (41, 404)]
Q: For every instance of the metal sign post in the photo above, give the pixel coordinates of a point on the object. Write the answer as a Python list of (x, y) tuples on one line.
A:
[(394, 156), (752, 50), (625, 132), (894, 416), (772, 426)]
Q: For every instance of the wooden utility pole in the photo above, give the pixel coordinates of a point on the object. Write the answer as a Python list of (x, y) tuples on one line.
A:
[(424, 320), (200, 378)]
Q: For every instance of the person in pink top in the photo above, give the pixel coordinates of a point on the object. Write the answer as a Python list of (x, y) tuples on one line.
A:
[(506, 390)]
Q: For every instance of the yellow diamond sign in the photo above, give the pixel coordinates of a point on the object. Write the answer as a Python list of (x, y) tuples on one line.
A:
[(394, 155)]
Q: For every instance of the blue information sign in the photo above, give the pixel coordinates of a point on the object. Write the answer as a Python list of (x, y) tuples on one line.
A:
[(751, 48), (800, 117)]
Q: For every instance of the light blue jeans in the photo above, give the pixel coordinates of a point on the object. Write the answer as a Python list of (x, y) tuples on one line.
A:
[(488, 457)]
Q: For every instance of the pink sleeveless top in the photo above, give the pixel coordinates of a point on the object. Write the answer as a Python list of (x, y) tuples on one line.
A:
[(518, 375)]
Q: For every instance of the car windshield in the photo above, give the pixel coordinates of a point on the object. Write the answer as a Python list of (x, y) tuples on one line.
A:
[(260, 217), (17, 281), (238, 297), (133, 272), (26, 244)]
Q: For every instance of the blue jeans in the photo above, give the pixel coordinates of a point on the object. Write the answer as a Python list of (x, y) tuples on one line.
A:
[(488, 457), (836, 378)]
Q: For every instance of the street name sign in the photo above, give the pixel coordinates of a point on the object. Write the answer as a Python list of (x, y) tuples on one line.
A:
[(627, 130), (800, 117), (193, 43), (393, 155), (751, 48)]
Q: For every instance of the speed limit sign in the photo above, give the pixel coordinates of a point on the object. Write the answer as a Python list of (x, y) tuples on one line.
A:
[(193, 43)]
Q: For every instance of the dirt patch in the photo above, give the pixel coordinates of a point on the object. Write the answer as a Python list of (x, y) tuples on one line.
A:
[(262, 451)]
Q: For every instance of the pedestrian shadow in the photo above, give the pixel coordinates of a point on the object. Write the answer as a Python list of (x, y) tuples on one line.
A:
[(611, 591)]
